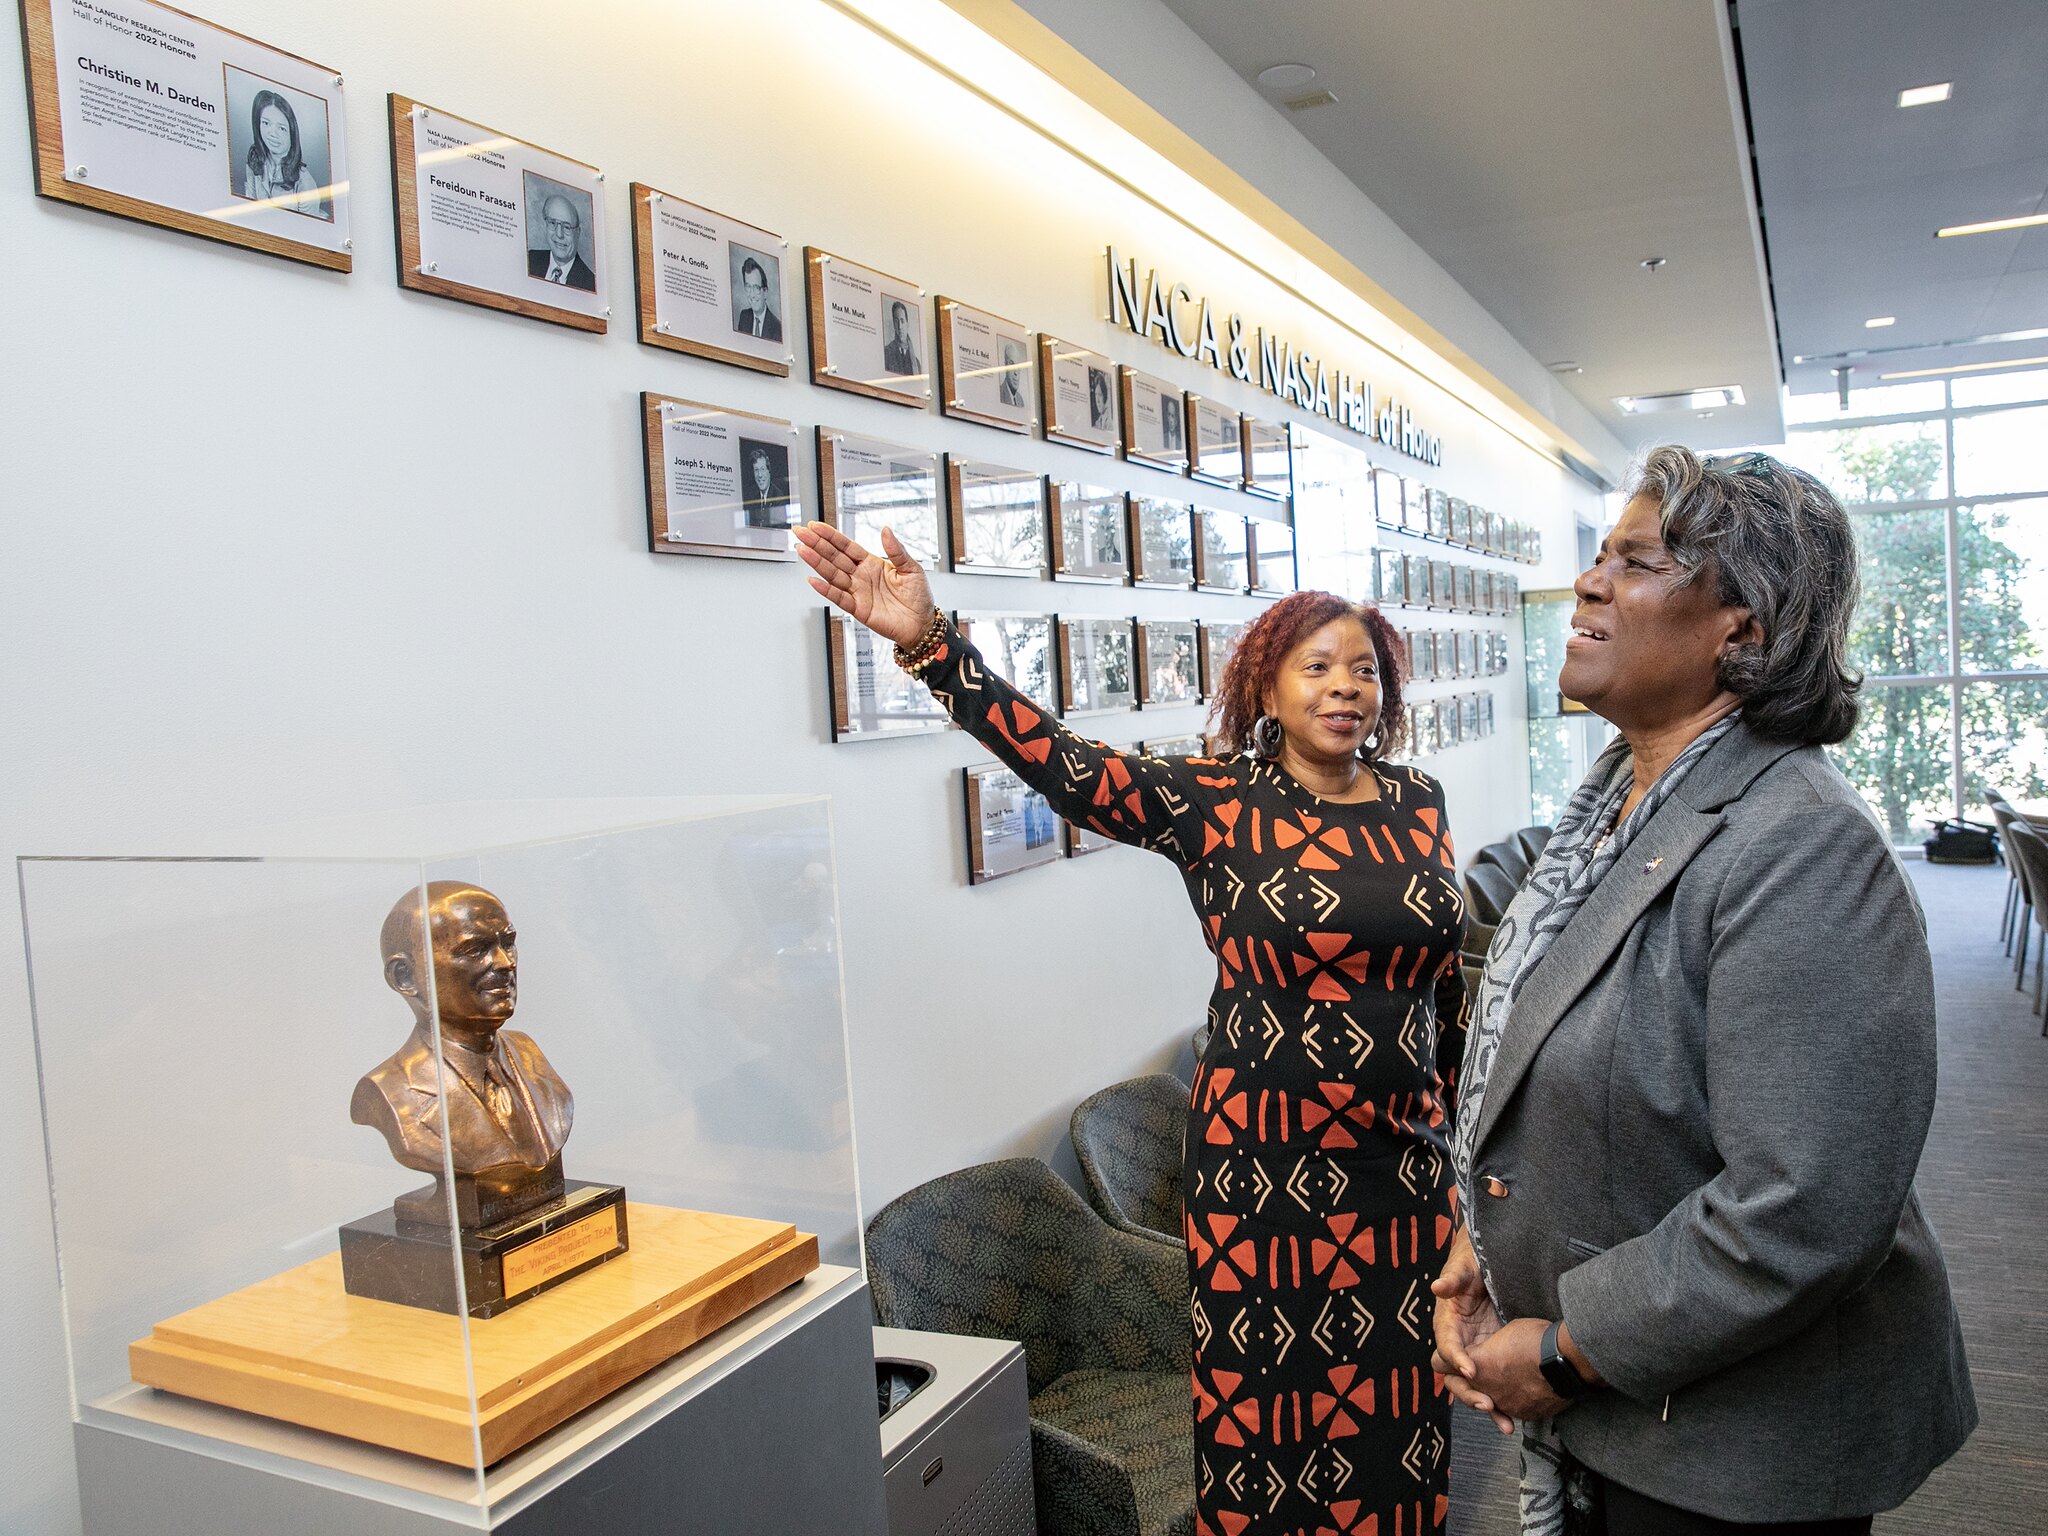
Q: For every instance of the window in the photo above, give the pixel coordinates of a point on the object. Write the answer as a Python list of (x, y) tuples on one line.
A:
[(1950, 508)]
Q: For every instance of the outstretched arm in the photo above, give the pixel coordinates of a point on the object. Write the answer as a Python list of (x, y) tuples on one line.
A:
[(1156, 803)]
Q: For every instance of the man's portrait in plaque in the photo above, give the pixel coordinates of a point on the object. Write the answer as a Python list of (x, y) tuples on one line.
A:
[(756, 280), (1010, 391), (899, 352), (1101, 400), (764, 484), (561, 245), (1172, 425), (277, 145)]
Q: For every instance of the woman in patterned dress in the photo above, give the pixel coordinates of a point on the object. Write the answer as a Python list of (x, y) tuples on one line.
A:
[(1316, 1181)]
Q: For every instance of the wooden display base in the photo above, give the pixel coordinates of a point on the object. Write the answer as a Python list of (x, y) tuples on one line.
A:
[(300, 1348)]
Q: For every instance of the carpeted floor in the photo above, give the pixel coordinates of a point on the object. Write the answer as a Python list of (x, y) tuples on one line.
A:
[(1984, 1183)]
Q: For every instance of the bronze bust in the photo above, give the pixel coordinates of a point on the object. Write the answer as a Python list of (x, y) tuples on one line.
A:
[(506, 1111)]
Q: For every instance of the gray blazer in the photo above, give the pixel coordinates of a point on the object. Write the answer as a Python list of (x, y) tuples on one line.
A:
[(1704, 1121)]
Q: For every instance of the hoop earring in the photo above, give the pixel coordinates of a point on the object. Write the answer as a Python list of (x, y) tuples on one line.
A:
[(1266, 737), (1367, 747)]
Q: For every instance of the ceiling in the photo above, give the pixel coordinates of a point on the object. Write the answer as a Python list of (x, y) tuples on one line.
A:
[(1540, 154), (1854, 186)]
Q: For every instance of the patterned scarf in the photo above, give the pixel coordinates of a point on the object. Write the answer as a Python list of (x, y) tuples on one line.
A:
[(1572, 864)]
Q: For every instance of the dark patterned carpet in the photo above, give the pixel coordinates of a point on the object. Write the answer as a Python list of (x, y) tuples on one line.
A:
[(1984, 1182)]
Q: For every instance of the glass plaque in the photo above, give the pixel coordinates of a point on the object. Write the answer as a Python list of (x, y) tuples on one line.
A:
[(866, 484), (1440, 515), (1216, 442), (1467, 598), (1017, 646), (1010, 825), (492, 220), (1169, 668), (1442, 585), (1388, 489), (1162, 543), (984, 367), (709, 285), (1219, 644), (1174, 746), (872, 697), (1272, 556), (145, 111), (1078, 392), (1222, 552), (998, 518), (1091, 533), (1468, 717), (1461, 521), (1468, 653), (1084, 840), (719, 482), (1423, 646), (1096, 671), (1389, 578), (1268, 459), (1155, 420), (867, 331)]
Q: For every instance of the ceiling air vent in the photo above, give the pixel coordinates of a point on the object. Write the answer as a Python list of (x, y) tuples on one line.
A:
[(1312, 99)]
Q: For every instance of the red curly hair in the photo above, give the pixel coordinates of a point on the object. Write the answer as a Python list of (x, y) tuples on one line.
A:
[(1265, 645)]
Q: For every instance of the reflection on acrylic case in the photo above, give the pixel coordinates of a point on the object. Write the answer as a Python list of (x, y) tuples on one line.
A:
[(1017, 646), (1162, 543), (1272, 556), (1219, 644), (1169, 669), (1091, 533), (998, 518), (872, 697), (1222, 552), (866, 484), (1097, 674), (1010, 826)]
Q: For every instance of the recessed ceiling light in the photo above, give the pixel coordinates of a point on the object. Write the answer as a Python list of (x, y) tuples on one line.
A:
[(1992, 226), (1286, 77), (1879, 322), (1567, 366), (1925, 95), (1928, 373), (1680, 400)]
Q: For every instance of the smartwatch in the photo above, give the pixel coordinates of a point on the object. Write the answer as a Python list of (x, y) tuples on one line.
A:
[(1563, 1376)]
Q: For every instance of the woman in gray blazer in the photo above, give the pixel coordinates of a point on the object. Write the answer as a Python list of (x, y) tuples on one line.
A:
[(1701, 1067)]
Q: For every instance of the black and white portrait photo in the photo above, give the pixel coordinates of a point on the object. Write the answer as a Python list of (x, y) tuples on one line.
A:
[(1010, 391), (277, 145), (756, 285), (1172, 427), (764, 483), (561, 244), (1101, 402), (899, 347)]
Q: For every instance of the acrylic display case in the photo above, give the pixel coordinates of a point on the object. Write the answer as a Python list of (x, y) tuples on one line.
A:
[(234, 1049)]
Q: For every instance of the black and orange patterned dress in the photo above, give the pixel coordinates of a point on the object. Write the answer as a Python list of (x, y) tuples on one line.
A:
[(1316, 1177)]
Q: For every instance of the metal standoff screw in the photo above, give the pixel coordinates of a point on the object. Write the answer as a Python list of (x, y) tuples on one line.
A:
[(348, 245), (830, 368), (78, 171), (600, 175), (433, 266), (661, 325), (607, 311), (654, 197), (927, 394), (790, 359), (337, 80)]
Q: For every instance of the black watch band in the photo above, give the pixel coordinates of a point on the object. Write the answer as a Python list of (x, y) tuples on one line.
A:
[(1563, 1376)]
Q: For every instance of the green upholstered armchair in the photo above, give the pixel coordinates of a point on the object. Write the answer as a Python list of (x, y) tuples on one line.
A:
[(1007, 1251), (1128, 1140)]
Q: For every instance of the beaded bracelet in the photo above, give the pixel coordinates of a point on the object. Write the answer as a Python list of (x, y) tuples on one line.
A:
[(926, 651)]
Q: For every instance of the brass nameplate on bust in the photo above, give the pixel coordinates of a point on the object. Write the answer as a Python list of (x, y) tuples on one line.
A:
[(535, 1263)]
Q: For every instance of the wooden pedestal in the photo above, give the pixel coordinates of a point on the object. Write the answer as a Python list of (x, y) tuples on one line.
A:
[(300, 1348)]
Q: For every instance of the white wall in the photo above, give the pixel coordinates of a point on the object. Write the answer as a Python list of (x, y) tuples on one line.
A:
[(280, 542)]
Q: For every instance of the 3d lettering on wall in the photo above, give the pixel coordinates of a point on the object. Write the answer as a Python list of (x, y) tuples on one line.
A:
[(1169, 313)]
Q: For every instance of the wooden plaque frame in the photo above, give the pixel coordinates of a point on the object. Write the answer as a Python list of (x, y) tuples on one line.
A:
[(1139, 578), (1258, 561), (949, 380), (823, 369), (405, 205), (1205, 579), (1141, 654), (1233, 478), (1056, 533), (644, 197), (956, 508), (1166, 459), (1069, 660), (46, 146), (1048, 397), (978, 872), (839, 683), (1252, 484), (829, 510), (657, 483)]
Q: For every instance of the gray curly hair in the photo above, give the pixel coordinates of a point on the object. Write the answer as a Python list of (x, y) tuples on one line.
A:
[(1776, 542)]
